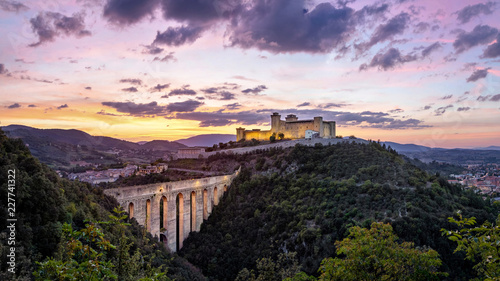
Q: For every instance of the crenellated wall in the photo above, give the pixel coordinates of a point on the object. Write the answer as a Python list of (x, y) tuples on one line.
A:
[(197, 199)]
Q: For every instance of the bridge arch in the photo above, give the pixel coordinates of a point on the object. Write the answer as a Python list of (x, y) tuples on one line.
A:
[(193, 211), (180, 221), (131, 210), (205, 201), (216, 197), (148, 215), (163, 213)]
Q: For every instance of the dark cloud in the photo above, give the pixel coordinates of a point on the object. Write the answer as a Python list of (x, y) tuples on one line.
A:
[(49, 25), (177, 36), (127, 12), (218, 93), (304, 104), (421, 27), (483, 98), (446, 97), (400, 124), (233, 106), (184, 91), (63, 106), (42, 80), (397, 110), (131, 81), (23, 61), (219, 118), (167, 58), (32, 105), (215, 123), (102, 112), (254, 91), (471, 11), (130, 90), (3, 70), (463, 108), (88, 88), (12, 6), (12, 106), (427, 107), (283, 26), (152, 50), (211, 90), (387, 31), (480, 35), (493, 50), (442, 110), (137, 109), (231, 86), (184, 106), (431, 48), (330, 105), (489, 98), (478, 74), (225, 95), (195, 12), (159, 87), (374, 9), (495, 98), (388, 60)]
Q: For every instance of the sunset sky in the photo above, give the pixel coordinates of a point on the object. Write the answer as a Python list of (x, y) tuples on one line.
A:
[(423, 72)]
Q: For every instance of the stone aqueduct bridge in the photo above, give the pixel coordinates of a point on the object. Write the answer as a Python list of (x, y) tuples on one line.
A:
[(185, 205)]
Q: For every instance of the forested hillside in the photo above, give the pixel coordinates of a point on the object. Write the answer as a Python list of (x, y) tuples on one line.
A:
[(304, 199), (53, 217)]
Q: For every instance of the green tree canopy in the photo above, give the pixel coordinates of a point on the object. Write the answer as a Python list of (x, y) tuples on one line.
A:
[(375, 254)]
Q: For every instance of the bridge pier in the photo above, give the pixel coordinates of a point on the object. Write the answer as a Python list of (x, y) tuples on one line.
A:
[(143, 203)]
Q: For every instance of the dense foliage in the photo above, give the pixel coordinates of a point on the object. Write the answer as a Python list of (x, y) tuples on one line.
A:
[(51, 211), (304, 199), (375, 254), (481, 245)]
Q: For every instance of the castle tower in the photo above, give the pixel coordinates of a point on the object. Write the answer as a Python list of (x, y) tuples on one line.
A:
[(318, 126), (240, 133), (275, 122), (291, 117)]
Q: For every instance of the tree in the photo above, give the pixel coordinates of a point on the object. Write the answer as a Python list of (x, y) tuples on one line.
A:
[(268, 269), (272, 138), (83, 257), (281, 136), (375, 254), (480, 244)]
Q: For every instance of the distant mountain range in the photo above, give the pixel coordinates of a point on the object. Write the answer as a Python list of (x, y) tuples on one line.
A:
[(77, 137), (207, 139), (67, 148)]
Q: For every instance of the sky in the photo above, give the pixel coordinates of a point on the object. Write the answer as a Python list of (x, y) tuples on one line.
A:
[(422, 72)]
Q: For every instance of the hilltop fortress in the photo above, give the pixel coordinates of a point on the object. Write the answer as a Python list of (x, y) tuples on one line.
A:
[(292, 128)]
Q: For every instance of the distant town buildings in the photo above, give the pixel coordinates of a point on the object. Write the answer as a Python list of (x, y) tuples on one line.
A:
[(152, 169), (484, 177)]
